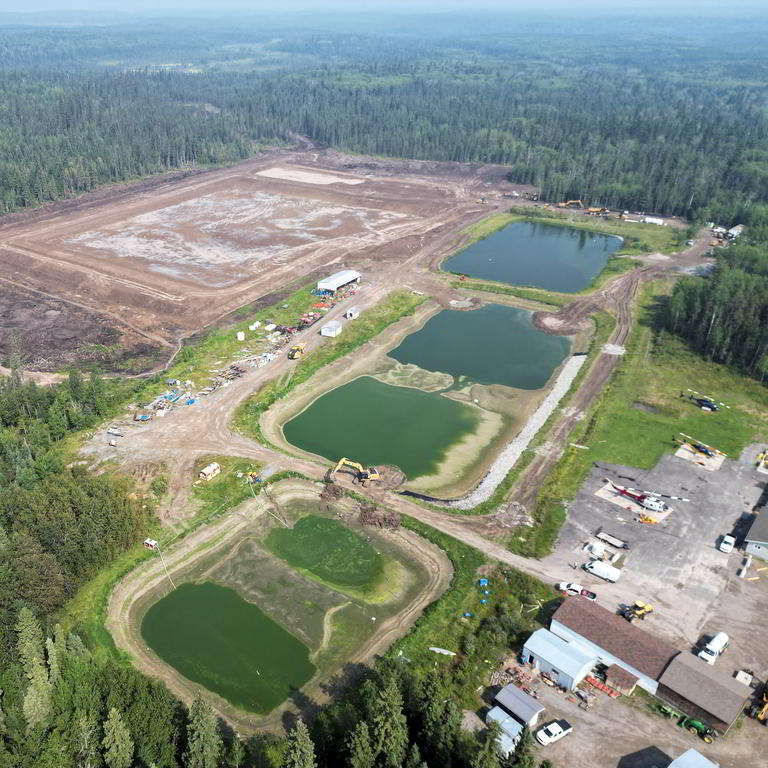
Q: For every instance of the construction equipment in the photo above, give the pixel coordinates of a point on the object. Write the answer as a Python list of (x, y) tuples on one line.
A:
[(297, 350), (571, 204), (647, 499), (696, 727), (362, 475), (638, 610), (699, 447), (760, 711), (705, 402)]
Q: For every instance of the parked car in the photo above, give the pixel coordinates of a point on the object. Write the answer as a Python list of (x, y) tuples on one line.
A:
[(575, 590), (727, 543), (553, 732)]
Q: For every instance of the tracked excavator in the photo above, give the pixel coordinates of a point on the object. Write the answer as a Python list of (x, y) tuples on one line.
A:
[(362, 475)]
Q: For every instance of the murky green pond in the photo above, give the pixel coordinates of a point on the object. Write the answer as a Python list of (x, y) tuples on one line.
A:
[(375, 423), (541, 255), (490, 345), (213, 637)]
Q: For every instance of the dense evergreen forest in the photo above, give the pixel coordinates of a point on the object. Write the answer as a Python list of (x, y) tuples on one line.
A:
[(724, 316), (666, 116)]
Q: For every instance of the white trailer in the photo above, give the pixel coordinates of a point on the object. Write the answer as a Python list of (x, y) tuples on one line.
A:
[(332, 329)]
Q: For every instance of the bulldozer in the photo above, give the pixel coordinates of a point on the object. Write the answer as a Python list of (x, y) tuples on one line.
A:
[(638, 610), (297, 350), (362, 475)]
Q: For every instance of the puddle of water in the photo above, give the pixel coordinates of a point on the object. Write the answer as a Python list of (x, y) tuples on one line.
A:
[(556, 258), (376, 423), (213, 637), (490, 345)]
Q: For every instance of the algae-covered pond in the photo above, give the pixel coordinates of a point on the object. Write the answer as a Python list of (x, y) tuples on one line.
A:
[(546, 256), (490, 345), (376, 423), (213, 637)]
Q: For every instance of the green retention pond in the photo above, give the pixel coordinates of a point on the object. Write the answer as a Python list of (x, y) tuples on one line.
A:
[(329, 550), (490, 345), (556, 258), (376, 423), (213, 637)]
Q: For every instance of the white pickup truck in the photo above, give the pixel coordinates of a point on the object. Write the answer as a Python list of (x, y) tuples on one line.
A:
[(553, 732)]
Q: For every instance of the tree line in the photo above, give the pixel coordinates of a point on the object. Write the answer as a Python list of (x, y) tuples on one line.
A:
[(660, 133), (724, 316)]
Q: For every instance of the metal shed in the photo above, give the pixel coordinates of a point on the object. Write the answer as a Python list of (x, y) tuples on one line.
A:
[(756, 540), (518, 703), (564, 662), (331, 329), (339, 280), (511, 730), (692, 759), (352, 313)]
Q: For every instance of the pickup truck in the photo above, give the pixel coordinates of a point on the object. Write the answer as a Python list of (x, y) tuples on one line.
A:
[(553, 732)]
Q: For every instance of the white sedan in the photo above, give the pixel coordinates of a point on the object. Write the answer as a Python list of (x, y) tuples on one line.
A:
[(573, 589)]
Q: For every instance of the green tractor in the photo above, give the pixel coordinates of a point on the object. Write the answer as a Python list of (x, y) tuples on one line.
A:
[(696, 727)]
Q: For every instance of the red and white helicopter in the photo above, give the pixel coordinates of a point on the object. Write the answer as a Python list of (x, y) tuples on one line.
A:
[(647, 499)]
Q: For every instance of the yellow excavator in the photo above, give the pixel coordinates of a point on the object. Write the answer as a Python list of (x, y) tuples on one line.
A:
[(297, 350), (362, 475), (571, 204)]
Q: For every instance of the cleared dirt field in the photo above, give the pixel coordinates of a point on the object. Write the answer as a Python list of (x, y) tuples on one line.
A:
[(157, 262)]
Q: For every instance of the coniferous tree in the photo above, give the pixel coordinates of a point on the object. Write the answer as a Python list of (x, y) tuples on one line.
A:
[(301, 750), (117, 741), (203, 739), (360, 753), (389, 729)]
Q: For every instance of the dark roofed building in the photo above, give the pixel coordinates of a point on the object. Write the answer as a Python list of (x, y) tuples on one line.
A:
[(613, 640), (756, 540), (703, 691)]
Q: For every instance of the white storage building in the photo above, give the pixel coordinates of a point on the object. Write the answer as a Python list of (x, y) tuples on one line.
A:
[(339, 280), (518, 703), (331, 329), (564, 662), (352, 313), (511, 730), (692, 759)]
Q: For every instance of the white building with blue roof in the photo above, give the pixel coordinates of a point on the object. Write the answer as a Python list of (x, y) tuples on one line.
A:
[(565, 663)]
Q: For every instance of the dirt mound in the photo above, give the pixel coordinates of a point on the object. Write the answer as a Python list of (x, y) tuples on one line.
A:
[(390, 477)]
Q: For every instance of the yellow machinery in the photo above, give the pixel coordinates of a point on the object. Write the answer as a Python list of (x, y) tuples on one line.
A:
[(639, 610), (362, 475), (571, 204), (296, 351), (760, 711)]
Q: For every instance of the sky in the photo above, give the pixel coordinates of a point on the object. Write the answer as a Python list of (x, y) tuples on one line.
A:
[(217, 7)]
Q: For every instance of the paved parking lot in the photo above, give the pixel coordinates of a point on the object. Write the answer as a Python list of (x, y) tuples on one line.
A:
[(695, 591)]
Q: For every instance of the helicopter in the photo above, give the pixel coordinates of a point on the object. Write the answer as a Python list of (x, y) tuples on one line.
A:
[(647, 499), (702, 448), (705, 402)]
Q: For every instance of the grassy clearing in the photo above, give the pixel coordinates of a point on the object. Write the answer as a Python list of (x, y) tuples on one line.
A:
[(616, 265), (225, 490), (640, 411), (494, 628), (329, 550), (531, 294), (396, 306)]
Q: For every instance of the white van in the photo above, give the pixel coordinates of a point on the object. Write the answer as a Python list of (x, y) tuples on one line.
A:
[(603, 570), (717, 645)]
